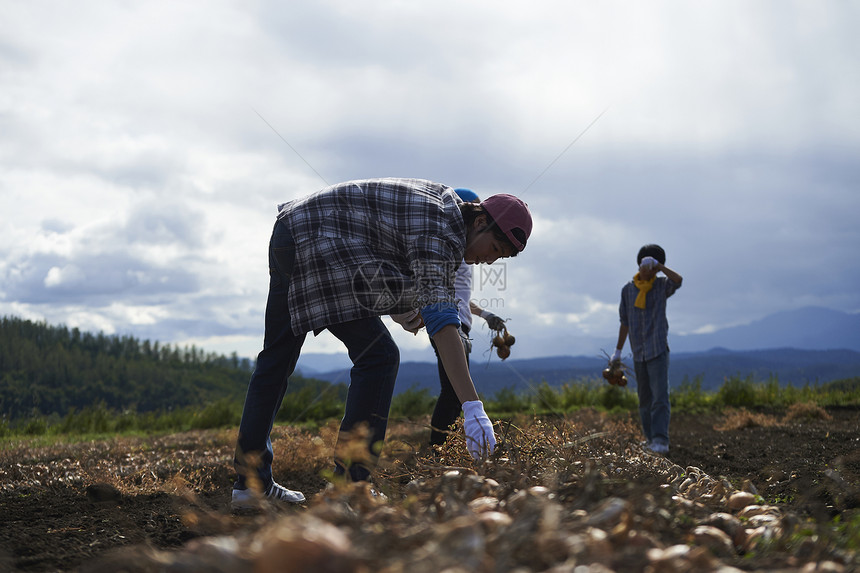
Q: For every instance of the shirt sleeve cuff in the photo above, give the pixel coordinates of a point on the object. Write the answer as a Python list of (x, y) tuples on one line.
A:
[(437, 316)]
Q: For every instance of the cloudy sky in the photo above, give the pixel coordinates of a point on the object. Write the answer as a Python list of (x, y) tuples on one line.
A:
[(144, 147)]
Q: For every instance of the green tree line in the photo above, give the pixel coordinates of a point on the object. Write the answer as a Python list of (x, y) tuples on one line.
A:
[(54, 371), (54, 380)]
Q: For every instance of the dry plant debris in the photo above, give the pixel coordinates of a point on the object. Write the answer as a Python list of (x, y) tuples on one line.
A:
[(561, 494), (739, 418)]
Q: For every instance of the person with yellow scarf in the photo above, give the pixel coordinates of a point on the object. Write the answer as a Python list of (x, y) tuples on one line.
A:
[(643, 321)]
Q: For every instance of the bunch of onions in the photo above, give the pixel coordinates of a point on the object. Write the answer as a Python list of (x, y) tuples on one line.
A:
[(614, 374), (502, 342)]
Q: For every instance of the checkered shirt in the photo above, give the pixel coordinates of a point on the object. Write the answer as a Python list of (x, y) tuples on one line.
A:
[(648, 328), (372, 247)]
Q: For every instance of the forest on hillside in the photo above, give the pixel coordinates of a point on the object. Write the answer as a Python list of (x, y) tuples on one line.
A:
[(60, 380), (54, 370)]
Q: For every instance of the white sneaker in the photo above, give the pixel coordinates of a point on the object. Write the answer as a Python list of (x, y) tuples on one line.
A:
[(248, 499), (658, 448)]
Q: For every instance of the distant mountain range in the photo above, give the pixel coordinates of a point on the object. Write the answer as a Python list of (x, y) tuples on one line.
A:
[(788, 365), (809, 328), (809, 345)]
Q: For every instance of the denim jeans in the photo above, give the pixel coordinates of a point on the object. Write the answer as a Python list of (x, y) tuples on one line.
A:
[(652, 381), (375, 360)]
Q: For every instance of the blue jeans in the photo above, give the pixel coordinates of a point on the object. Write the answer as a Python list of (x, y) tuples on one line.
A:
[(652, 382), (375, 360)]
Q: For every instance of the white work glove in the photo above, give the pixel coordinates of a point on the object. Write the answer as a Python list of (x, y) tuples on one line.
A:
[(616, 356), (493, 321), (411, 321), (480, 439), (648, 263)]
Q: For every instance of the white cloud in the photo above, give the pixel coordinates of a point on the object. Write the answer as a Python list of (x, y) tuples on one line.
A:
[(138, 184), (70, 276)]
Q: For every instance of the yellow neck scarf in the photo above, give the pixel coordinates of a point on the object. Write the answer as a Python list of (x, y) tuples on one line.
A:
[(644, 287)]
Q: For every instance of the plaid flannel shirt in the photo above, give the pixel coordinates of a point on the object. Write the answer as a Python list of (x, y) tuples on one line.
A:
[(648, 328), (372, 247)]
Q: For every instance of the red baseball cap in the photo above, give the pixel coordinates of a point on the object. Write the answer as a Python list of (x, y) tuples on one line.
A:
[(510, 213)]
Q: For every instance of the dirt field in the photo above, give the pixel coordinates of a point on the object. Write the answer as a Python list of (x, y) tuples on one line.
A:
[(69, 508), (811, 466)]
